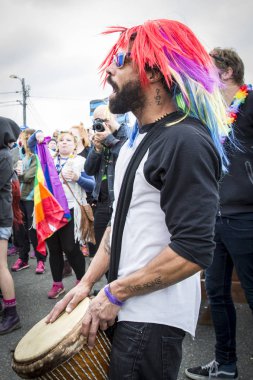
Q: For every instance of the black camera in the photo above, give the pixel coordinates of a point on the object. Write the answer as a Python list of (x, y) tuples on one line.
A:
[(98, 125)]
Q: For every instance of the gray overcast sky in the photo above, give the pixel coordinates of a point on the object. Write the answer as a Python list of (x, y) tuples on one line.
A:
[(57, 47)]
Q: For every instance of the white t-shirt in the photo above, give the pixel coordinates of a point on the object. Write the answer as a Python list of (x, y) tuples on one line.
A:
[(161, 214)]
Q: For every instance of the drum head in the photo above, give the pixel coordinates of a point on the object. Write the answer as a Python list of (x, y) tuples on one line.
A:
[(43, 337)]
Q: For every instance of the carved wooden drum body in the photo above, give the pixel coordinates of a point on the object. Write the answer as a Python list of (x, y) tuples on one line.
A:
[(58, 351)]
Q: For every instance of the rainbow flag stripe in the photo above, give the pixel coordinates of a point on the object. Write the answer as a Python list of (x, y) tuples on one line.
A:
[(48, 213)]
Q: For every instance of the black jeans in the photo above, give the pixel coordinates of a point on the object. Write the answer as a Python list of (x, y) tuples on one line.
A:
[(145, 351), (27, 234), (102, 216), (234, 247), (61, 241)]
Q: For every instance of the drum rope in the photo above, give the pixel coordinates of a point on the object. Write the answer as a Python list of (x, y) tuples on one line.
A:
[(87, 365), (73, 368), (102, 371), (105, 341), (61, 378)]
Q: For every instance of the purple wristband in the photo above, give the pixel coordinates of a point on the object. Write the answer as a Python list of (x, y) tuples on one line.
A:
[(111, 297)]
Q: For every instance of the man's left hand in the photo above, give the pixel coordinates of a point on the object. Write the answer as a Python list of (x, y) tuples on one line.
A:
[(100, 314)]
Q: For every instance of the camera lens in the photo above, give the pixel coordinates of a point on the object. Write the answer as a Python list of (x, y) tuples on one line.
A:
[(98, 126)]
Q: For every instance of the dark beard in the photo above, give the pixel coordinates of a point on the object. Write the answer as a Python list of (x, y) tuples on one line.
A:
[(130, 98)]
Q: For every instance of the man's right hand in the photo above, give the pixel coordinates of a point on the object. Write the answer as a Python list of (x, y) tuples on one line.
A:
[(97, 144), (69, 302)]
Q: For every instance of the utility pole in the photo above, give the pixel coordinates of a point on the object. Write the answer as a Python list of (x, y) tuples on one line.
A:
[(24, 100), (25, 95)]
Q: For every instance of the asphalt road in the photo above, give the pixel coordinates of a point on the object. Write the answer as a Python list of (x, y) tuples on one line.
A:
[(33, 305)]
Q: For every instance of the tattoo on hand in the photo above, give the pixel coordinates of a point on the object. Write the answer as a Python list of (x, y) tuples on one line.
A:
[(158, 97), (156, 284)]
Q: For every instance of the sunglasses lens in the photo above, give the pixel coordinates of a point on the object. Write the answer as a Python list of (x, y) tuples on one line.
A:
[(120, 59)]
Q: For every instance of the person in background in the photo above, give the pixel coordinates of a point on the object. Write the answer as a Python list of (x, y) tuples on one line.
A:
[(9, 132), (108, 139), (234, 223), (18, 153), (52, 144), (161, 73), (83, 148), (56, 134), (14, 243), (75, 183), (26, 170), (83, 143)]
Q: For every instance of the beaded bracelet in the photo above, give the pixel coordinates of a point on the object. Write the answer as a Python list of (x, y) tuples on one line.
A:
[(111, 297)]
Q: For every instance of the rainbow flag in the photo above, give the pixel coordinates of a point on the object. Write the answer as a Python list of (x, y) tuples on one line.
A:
[(48, 213)]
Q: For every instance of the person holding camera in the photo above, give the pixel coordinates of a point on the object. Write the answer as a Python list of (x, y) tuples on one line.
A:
[(108, 139)]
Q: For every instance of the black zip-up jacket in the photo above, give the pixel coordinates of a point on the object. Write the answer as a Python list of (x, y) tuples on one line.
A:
[(9, 132), (95, 163), (236, 187)]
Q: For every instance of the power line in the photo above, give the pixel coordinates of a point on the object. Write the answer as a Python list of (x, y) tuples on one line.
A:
[(10, 92), (48, 97), (35, 113), (8, 105), (9, 101)]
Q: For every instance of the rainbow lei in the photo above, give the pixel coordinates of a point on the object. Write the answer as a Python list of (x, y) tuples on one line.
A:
[(238, 100)]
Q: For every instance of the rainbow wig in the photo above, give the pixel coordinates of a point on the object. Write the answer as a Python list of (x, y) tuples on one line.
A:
[(188, 70)]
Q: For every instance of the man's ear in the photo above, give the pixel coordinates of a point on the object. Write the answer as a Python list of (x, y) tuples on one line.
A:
[(154, 76), (228, 74)]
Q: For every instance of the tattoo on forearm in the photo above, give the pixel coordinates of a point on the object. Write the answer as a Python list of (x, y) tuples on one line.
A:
[(156, 284), (158, 97)]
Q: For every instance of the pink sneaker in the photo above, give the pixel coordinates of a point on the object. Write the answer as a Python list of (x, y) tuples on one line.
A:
[(19, 265), (55, 291), (40, 269), (12, 251)]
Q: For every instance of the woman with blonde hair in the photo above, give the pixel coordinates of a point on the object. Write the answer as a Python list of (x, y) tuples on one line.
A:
[(75, 183), (83, 143), (83, 149)]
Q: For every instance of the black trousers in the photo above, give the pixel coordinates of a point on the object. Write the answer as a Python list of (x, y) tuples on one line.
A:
[(234, 248), (61, 241), (26, 234), (145, 351), (102, 216)]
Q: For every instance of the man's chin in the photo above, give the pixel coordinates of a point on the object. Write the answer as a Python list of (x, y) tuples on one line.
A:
[(112, 96), (116, 106)]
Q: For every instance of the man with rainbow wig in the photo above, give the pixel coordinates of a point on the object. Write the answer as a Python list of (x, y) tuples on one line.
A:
[(157, 245)]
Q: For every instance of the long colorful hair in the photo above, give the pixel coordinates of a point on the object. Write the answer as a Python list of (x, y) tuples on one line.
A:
[(188, 70)]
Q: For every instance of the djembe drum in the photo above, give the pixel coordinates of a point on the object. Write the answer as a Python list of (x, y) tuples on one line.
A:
[(57, 351)]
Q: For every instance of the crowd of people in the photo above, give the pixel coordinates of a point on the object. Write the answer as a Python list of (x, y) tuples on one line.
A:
[(69, 150), (177, 202)]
